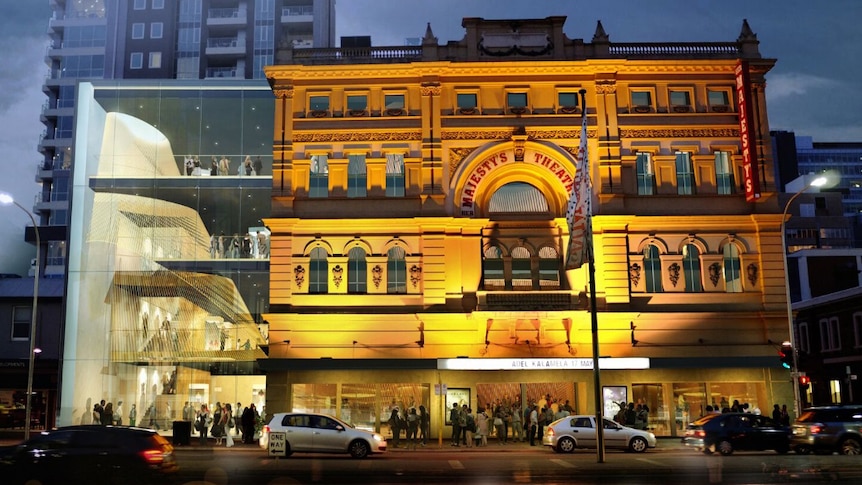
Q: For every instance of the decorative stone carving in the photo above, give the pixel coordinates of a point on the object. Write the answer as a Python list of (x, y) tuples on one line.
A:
[(635, 274), (299, 276), (376, 275), (714, 273), (415, 275), (337, 274), (673, 273), (752, 270)]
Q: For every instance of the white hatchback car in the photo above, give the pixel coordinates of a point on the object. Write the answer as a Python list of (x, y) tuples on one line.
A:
[(320, 433), (566, 434)]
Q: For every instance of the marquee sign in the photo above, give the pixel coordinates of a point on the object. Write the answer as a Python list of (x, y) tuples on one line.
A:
[(499, 160)]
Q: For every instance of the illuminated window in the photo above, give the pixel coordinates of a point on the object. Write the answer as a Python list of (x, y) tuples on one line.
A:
[(723, 173), (522, 275), (691, 268), (395, 175), (357, 178), (318, 182), (684, 174), (732, 265), (396, 271), (357, 271), (318, 282), (646, 175), (138, 30), (652, 269), (22, 317), (492, 269), (549, 268)]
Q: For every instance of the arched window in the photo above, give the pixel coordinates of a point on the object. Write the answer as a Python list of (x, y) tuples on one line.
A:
[(319, 271), (522, 275), (396, 271), (691, 268), (652, 269), (646, 175), (549, 268), (492, 269), (395, 175), (357, 271), (732, 269), (356, 176), (518, 198), (318, 178)]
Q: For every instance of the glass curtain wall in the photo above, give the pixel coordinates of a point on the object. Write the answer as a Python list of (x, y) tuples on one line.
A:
[(169, 259)]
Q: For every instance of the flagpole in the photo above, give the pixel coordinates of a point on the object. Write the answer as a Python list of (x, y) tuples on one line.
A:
[(594, 320)]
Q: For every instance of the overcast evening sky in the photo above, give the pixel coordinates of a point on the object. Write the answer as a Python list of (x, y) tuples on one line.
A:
[(814, 89)]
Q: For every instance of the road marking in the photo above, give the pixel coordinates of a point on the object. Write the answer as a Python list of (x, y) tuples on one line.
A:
[(651, 462), (563, 463), (456, 465)]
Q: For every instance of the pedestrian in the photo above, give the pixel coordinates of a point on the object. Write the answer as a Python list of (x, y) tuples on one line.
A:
[(455, 421), (203, 422), (412, 428), (534, 425), (227, 417), (424, 424), (133, 415)]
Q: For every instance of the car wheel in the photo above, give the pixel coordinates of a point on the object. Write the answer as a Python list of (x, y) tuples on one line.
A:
[(566, 445), (849, 446), (358, 449), (638, 444), (802, 450), (725, 448)]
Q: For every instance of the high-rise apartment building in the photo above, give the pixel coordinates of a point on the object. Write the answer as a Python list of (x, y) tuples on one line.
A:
[(152, 39)]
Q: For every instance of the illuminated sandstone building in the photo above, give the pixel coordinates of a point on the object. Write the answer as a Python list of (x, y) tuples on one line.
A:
[(418, 225)]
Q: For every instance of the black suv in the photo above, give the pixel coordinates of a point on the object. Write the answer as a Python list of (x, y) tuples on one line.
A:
[(828, 429), (89, 454)]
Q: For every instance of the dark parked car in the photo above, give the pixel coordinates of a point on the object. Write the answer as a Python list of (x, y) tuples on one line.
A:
[(729, 432), (89, 454), (828, 429)]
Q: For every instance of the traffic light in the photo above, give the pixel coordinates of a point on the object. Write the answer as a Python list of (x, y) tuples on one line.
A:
[(786, 355), (804, 382)]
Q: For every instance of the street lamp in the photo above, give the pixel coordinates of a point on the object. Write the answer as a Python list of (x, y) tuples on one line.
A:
[(7, 199), (818, 181)]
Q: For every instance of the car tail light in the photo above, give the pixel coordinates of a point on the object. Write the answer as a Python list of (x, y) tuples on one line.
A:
[(153, 456)]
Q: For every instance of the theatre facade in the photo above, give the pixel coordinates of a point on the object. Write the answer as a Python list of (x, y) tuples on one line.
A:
[(419, 233)]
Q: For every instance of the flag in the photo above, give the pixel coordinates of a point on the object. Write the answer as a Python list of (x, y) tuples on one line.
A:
[(578, 211)]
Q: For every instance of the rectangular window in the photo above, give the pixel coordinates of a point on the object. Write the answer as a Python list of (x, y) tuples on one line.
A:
[(136, 60), (467, 101), (156, 29), (641, 101), (723, 173), (22, 317), (155, 60), (138, 30), (684, 174), (318, 103), (718, 99), (646, 175), (830, 337), (357, 103), (567, 99), (393, 101), (516, 101), (140, 4)]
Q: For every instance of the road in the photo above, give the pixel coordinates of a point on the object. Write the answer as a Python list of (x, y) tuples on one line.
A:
[(511, 464)]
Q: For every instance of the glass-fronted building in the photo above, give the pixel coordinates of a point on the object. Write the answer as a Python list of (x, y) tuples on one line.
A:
[(169, 258)]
